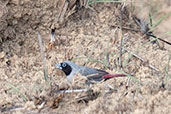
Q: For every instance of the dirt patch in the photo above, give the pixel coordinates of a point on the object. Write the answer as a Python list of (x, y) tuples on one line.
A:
[(92, 39)]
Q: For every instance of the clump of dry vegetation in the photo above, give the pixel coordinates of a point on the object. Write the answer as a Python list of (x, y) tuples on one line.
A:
[(105, 34)]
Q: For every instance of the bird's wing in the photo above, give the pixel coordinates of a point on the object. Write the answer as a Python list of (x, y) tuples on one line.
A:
[(92, 73)]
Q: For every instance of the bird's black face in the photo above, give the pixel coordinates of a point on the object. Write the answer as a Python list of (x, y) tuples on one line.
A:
[(66, 68)]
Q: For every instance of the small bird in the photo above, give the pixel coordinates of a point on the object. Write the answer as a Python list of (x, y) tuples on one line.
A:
[(92, 74)]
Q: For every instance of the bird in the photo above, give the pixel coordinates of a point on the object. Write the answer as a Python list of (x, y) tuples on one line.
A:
[(70, 69)]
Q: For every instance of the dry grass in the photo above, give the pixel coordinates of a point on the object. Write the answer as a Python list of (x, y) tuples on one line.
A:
[(92, 39)]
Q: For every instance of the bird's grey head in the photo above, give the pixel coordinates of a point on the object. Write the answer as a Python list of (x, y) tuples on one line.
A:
[(65, 67)]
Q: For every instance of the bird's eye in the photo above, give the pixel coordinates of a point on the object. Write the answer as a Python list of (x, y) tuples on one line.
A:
[(63, 64)]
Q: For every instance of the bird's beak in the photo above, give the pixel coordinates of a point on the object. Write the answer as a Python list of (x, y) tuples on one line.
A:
[(58, 66)]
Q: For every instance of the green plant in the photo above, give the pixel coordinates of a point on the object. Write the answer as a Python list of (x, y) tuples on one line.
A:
[(17, 91)]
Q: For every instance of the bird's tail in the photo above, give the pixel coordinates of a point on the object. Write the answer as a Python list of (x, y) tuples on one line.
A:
[(108, 76)]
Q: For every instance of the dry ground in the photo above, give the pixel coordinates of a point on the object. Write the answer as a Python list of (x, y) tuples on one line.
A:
[(93, 40)]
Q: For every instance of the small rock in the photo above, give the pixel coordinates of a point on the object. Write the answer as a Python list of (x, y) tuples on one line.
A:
[(29, 105), (2, 54)]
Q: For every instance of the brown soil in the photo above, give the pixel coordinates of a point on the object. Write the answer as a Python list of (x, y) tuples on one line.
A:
[(87, 37)]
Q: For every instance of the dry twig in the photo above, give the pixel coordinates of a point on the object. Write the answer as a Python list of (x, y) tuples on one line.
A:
[(43, 57), (73, 91), (144, 28), (121, 35), (140, 58)]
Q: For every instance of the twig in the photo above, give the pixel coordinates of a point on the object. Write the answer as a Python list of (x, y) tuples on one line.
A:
[(109, 86), (43, 57), (41, 105), (121, 43), (128, 81), (110, 89), (73, 91), (151, 66), (151, 34), (125, 28), (63, 11), (11, 108), (145, 29)]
